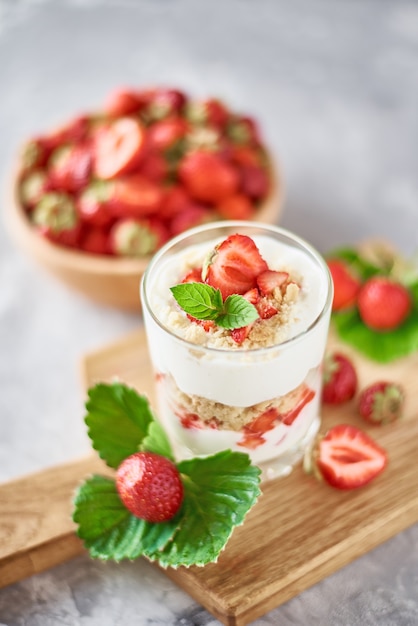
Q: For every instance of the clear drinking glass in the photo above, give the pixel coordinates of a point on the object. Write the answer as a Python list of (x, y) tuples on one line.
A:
[(263, 401)]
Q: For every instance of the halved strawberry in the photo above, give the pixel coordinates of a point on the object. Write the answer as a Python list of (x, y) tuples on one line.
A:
[(119, 147), (270, 279), (346, 457), (234, 265), (135, 196)]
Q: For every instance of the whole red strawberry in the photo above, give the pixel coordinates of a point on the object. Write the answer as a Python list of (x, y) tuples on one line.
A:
[(346, 458), (339, 379), (208, 177), (383, 304), (150, 486), (346, 285), (381, 402)]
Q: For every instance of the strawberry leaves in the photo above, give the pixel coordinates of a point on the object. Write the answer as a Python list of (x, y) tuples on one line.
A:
[(204, 302), (380, 346), (218, 490)]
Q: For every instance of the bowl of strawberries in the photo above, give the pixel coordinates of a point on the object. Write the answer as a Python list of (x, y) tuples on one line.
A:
[(93, 200)]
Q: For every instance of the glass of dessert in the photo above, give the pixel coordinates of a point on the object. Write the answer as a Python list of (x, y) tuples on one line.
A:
[(236, 316)]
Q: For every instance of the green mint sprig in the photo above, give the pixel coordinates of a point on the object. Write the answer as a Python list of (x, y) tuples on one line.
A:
[(204, 302), (382, 347), (219, 489)]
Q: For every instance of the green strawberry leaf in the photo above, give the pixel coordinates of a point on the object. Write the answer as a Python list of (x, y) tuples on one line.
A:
[(199, 300), (157, 441), (118, 421), (382, 347), (238, 312), (109, 530), (219, 492), (204, 302)]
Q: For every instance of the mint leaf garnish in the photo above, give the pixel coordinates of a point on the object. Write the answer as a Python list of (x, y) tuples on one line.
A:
[(237, 312), (109, 530), (118, 421), (204, 302), (382, 347)]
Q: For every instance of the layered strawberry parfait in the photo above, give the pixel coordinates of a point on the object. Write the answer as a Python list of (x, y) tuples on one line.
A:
[(237, 317)]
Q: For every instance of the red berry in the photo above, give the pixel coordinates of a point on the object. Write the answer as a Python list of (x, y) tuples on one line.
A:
[(136, 238), (347, 457), (121, 102), (269, 280), (119, 147), (150, 486), (207, 176), (194, 276), (235, 265), (383, 304), (92, 204), (339, 379), (346, 285), (255, 182), (69, 167), (165, 133), (135, 196), (236, 207), (95, 241), (265, 309), (240, 334), (191, 215), (381, 402), (56, 218)]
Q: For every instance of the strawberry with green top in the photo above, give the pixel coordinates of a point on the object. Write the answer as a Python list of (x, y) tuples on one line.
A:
[(381, 402), (56, 218), (136, 237)]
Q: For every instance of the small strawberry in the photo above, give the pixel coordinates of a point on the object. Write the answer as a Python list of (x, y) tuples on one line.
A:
[(269, 280), (95, 241), (69, 167), (56, 218), (175, 200), (154, 167), (32, 187), (346, 458), (163, 134), (234, 265), (121, 102), (135, 196), (92, 203), (236, 207), (255, 182), (119, 147), (150, 486), (383, 304), (192, 215), (381, 402), (339, 379), (346, 285), (136, 238), (207, 176)]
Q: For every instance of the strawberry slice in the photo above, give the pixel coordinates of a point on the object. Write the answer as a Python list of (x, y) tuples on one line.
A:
[(194, 276), (348, 458), (135, 196), (234, 265), (240, 334), (119, 147), (269, 280), (265, 309)]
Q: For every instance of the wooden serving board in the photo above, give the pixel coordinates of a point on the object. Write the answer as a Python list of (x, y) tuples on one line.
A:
[(299, 532)]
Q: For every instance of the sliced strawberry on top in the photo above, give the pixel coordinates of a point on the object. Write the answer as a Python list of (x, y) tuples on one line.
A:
[(240, 334), (265, 309), (234, 265), (349, 458), (119, 147), (270, 279)]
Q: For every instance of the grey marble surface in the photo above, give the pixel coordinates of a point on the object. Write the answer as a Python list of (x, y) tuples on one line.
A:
[(334, 85)]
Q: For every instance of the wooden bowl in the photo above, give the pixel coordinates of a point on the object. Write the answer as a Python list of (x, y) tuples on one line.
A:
[(111, 281)]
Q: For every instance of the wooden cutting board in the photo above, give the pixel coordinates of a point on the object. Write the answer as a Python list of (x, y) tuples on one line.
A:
[(299, 532)]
